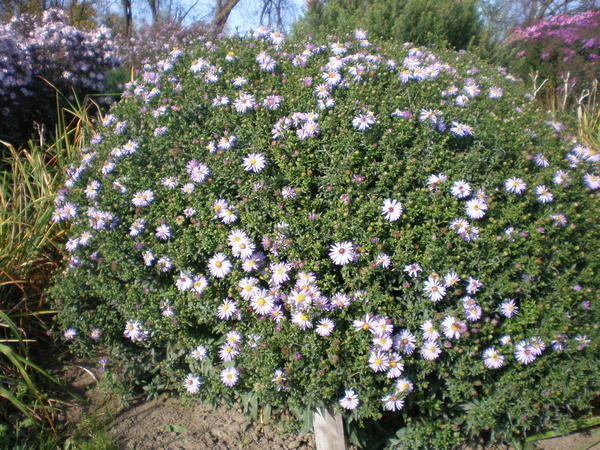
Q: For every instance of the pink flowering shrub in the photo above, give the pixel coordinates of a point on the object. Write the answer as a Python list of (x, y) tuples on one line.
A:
[(395, 233), (565, 44), (34, 49)]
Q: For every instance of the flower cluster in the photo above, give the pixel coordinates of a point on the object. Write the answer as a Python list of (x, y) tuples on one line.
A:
[(316, 244)]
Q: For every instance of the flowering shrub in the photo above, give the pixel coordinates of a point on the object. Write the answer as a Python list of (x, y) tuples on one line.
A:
[(383, 230), (49, 48), (565, 44)]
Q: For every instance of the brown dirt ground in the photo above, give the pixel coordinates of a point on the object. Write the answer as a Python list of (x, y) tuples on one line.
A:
[(166, 423)]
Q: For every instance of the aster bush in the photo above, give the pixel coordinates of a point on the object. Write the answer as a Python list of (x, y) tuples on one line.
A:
[(37, 51), (391, 232)]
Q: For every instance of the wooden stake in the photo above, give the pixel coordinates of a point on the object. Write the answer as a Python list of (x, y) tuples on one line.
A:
[(329, 430)]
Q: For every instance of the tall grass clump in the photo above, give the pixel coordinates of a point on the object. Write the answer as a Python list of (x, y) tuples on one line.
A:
[(30, 248), (397, 233)]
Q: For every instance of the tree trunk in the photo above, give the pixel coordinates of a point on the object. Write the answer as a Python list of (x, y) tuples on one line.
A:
[(223, 9), (329, 430), (128, 16)]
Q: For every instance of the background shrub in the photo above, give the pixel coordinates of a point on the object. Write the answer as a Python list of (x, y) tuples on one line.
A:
[(422, 22), (455, 200), (38, 51), (564, 50)]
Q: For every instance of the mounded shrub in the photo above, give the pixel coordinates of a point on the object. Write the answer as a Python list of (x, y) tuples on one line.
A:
[(387, 231)]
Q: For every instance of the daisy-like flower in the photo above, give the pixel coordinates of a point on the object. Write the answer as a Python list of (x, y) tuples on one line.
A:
[(492, 359), (430, 350), (349, 400), (450, 279), (379, 361), (364, 121), (229, 376), (192, 383), (248, 287), (515, 185), (524, 353), (219, 205), (254, 162), (325, 327), (476, 208), (537, 345), (452, 327), (396, 366), (541, 160), (70, 334), (184, 282), (243, 249), (198, 172), (163, 232), (279, 273), (134, 330), (461, 189), (228, 352), (199, 353), (219, 266), (391, 209), (392, 402), (262, 303), (254, 262), (279, 379), (405, 342), (383, 260), (148, 258), (429, 115), (461, 129), (494, 92), (301, 319), (227, 309), (404, 386), (169, 182), (429, 331), (142, 198), (473, 313), (434, 290), (227, 215), (188, 188), (591, 181), (560, 177), (364, 324), (509, 308), (342, 253), (244, 102), (164, 264), (434, 180), (340, 300), (300, 298), (473, 285), (412, 270), (383, 342), (544, 195)]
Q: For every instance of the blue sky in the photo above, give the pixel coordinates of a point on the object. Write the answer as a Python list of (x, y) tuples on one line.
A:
[(245, 16)]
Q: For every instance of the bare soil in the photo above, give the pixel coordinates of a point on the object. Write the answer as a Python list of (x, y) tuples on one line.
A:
[(166, 423)]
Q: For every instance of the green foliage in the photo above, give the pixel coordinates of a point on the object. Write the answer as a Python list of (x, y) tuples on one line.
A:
[(422, 22), (437, 119)]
